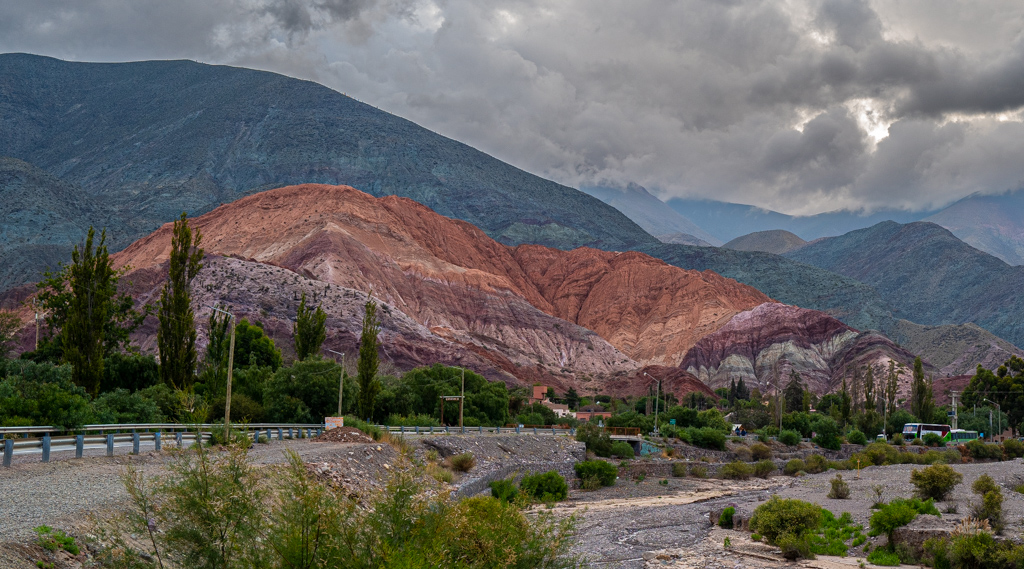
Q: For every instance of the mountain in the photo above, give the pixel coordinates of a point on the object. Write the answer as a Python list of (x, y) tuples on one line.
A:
[(763, 345), (927, 275), (727, 221), (145, 141), (43, 217), (652, 215), (777, 241), (853, 302), (533, 313), (994, 224), (955, 349)]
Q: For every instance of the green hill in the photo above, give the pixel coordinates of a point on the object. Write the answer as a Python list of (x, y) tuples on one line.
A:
[(145, 141), (776, 241), (927, 275)]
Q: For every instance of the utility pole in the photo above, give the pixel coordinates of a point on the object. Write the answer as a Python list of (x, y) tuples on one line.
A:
[(231, 364), (999, 418), (341, 381), (37, 331), (656, 394), (954, 395), (462, 395)]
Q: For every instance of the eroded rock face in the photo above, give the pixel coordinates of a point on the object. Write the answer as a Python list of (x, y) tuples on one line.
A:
[(773, 339), (537, 309)]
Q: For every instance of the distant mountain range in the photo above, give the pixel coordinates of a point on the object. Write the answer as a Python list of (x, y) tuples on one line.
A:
[(994, 224), (776, 241), (144, 141), (651, 214)]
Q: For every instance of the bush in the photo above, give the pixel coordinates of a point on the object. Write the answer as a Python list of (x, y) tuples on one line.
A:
[(1013, 448), (705, 437), (596, 439), (936, 481), (840, 489), (764, 468), (795, 546), (605, 473), (826, 433), (123, 406), (991, 506), (776, 517), (462, 462), (882, 556), (743, 453), (760, 451), (891, 517), (698, 471), (547, 487), (980, 450), (794, 466), (678, 469), (725, 520), (897, 439), (622, 449), (789, 437), (504, 490), (932, 440), (414, 420), (856, 437), (736, 471), (816, 463)]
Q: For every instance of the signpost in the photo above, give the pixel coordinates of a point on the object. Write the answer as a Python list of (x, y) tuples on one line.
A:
[(451, 398)]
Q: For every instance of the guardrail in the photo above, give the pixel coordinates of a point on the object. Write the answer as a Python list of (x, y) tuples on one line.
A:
[(151, 434)]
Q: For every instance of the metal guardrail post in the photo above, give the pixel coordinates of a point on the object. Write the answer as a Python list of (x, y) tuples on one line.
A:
[(110, 444), (447, 430), (280, 434), (135, 443), (517, 429), (481, 428), (431, 429), (417, 429), (46, 447), (535, 430), (79, 445), (178, 437), (156, 441), (8, 452)]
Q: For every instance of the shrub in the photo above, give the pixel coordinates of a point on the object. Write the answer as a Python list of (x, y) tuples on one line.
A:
[(795, 546), (603, 472), (882, 556), (856, 437), (816, 463), (891, 517), (622, 449), (897, 439), (698, 471), (743, 454), (52, 540), (936, 481), (725, 520), (1013, 448), (706, 437), (547, 487), (880, 454), (760, 451), (826, 433), (789, 437), (980, 450), (440, 474), (764, 468), (840, 489), (462, 462), (678, 469), (794, 466), (596, 439), (776, 517), (975, 550), (504, 490), (736, 471), (933, 440), (991, 506)]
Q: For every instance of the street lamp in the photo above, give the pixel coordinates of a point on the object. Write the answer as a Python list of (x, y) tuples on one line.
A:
[(656, 396), (341, 381), (999, 418), (231, 364)]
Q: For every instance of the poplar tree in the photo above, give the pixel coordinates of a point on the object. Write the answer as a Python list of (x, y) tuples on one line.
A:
[(870, 402), (176, 336), (369, 360), (922, 400), (310, 330)]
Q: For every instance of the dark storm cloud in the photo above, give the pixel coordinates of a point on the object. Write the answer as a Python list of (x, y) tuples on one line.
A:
[(803, 105)]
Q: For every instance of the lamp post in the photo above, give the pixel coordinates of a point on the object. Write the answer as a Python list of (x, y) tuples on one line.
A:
[(231, 364), (999, 418), (341, 381), (656, 397)]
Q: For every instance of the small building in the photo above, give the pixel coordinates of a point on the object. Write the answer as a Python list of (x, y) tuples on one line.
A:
[(540, 393), (592, 412), (559, 409)]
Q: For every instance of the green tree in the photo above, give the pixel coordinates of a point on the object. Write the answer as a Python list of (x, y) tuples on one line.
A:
[(9, 325), (310, 330), (572, 398), (892, 383), (369, 360), (922, 401), (84, 305), (870, 400), (1005, 387), (794, 393), (844, 404), (176, 335), (254, 348)]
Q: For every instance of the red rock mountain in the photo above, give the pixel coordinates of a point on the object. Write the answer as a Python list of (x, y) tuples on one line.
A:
[(528, 312), (777, 338)]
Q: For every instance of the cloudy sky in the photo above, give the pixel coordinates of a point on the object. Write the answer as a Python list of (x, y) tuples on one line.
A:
[(796, 105)]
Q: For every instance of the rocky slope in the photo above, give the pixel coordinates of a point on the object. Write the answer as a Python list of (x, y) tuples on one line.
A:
[(148, 140), (533, 306), (653, 215), (955, 349), (927, 275), (777, 241), (769, 341)]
